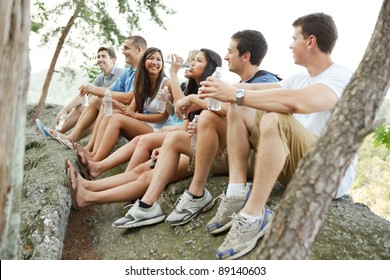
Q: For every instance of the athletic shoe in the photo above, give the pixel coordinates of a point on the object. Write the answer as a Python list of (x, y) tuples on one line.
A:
[(138, 216), (187, 208), (243, 235), (228, 206)]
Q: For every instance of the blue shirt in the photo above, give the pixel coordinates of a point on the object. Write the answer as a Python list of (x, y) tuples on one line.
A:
[(265, 78), (125, 83)]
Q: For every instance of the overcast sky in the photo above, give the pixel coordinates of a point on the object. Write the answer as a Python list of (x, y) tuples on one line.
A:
[(210, 24)]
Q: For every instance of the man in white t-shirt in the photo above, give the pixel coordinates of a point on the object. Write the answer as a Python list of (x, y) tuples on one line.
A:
[(281, 121)]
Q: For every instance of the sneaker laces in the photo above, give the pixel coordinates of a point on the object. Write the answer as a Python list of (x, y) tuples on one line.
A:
[(128, 205), (222, 208), (182, 202), (238, 224), (132, 209)]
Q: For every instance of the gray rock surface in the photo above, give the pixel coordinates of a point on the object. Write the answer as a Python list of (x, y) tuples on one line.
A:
[(351, 230)]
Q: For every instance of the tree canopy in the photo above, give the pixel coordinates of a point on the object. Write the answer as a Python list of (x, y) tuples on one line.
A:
[(78, 23)]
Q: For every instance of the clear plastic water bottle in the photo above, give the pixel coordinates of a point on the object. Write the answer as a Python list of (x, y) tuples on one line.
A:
[(107, 102), (214, 104), (162, 101), (194, 136), (61, 122), (85, 100), (172, 59)]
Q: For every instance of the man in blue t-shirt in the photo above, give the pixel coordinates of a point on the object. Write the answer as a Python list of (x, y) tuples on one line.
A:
[(121, 90)]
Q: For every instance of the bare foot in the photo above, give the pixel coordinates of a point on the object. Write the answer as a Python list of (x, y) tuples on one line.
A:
[(79, 191)]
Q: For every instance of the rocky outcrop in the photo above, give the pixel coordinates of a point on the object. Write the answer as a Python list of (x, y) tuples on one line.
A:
[(351, 230)]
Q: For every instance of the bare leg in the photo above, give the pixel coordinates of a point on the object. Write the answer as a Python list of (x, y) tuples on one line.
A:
[(175, 144), (117, 124), (99, 135), (270, 159), (211, 137), (113, 181), (118, 157), (125, 191), (91, 141), (146, 144), (72, 119), (240, 125), (87, 117), (120, 193)]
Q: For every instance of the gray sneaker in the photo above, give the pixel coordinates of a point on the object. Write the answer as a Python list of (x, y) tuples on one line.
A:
[(243, 235), (137, 216), (228, 206), (188, 207)]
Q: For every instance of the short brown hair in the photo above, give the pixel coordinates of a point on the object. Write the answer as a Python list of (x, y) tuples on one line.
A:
[(109, 50), (322, 27)]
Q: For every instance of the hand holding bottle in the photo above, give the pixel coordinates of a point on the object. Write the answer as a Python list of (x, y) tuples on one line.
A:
[(162, 97), (214, 104)]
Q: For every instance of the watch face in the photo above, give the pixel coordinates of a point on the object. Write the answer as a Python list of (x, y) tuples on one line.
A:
[(239, 93)]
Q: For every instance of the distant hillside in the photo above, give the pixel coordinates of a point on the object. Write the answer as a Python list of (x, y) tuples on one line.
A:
[(372, 182), (61, 89)]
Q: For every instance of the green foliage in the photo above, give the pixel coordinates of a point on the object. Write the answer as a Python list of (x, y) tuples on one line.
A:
[(382, 136), (382, 133), (99, 21), (371, 185), (91, 68), (40, 16)]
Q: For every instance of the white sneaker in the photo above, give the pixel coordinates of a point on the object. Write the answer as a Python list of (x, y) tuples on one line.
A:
[(243, 235), (188, 208), (228, 206), (138, 216)]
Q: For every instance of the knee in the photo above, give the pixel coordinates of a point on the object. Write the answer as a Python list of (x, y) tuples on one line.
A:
[(95, 101), (143, 142), (269, 122), (174, 138), (115, 120), (145, 178), (208, 119), (234, 111)]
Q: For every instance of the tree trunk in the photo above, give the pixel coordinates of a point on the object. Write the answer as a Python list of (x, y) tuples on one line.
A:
[(50, 71), (14, 79), (306, 201)]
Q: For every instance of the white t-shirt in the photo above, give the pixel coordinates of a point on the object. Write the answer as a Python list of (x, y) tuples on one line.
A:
[(336, 77)]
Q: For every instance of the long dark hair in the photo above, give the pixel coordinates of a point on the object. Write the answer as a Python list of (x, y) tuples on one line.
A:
[(142, 81), (214, 60)]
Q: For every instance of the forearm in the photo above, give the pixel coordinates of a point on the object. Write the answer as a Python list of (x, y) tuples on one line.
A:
[(124, 97), (175, 86), (257, 86), (196, 102), (271, 100), (151, 118), (76, 101)]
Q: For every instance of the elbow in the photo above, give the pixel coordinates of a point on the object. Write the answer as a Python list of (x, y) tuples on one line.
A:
[(294, 108)]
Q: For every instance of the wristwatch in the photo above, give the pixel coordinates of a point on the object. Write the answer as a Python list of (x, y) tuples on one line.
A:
[(239, 96)]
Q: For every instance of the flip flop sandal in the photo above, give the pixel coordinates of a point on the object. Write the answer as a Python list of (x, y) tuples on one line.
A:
[(64, 142), (73, 191), (43, 129), (83, 167)]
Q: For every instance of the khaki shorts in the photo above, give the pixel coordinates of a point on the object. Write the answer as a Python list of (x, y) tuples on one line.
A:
[(220, 165), (296, 141)]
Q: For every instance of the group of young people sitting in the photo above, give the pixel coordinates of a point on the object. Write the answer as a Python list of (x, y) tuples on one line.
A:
[(264, 127)]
